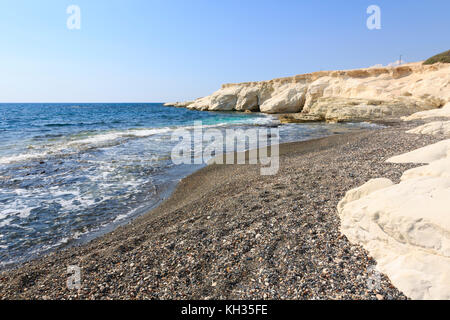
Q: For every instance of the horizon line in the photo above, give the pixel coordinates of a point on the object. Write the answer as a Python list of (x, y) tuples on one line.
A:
[(78, 102)]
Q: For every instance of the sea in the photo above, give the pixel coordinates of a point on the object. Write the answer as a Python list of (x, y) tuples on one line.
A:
[(70, 172)]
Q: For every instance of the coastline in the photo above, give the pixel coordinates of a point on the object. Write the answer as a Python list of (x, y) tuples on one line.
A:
[(375, 93), (219, 234)]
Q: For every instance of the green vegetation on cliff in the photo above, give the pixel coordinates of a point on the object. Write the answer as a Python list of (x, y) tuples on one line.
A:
[(443, 57)]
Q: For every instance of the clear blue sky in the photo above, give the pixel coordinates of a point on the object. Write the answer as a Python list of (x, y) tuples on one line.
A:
[(164, 50)]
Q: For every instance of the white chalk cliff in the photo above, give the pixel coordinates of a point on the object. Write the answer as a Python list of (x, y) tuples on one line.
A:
[(363, 94), (406, 226)]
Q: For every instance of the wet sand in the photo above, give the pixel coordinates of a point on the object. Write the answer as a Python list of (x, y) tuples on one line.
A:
[(229, 233)]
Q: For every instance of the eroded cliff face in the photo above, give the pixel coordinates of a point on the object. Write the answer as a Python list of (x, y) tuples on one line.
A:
[(364, 94)]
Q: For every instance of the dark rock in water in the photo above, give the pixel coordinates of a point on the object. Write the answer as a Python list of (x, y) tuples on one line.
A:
[(300, 118)]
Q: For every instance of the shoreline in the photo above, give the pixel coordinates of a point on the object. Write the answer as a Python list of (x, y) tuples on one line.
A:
[(165, 191), (196, 198)]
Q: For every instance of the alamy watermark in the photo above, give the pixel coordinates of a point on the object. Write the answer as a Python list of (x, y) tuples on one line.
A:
[(374, 280), (74, 278), (374, 20), (74, 19), (212, 145)]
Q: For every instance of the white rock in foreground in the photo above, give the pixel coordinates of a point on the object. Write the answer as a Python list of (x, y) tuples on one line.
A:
[(440, 168), (433, 128), (443, 112), (406, 226), (428, 154), (366, 189)]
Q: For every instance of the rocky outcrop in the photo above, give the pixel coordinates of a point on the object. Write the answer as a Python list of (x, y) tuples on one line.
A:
[(433, 128), (406, 226), (178, 104), (441, 127), (443, 112), (365, 94)]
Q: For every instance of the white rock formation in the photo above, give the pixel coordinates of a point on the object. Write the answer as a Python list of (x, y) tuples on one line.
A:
[(286, 99), (178, 104), (436, 169), (443, 112), (433, 128), (428, 154), (364, 94), (406, 226), (366, 189)]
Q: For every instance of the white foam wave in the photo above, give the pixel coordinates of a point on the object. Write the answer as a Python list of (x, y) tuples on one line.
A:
[(105, 139), (5, 222), (22, 157), (108, 137), (96, 140)]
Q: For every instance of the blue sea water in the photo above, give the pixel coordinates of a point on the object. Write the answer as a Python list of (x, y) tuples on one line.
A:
[(69, 172)]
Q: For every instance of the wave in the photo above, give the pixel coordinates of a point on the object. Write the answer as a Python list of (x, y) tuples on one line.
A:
[(22, 157), (60, 125), (80, 124), (112, 136), (91, 140)]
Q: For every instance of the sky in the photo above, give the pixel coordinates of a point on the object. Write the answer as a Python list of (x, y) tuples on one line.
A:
[(176, 50)]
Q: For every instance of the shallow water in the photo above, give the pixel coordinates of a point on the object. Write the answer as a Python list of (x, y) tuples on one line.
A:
[(69, 171)]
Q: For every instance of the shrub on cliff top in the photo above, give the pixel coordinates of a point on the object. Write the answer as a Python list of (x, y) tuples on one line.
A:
[(443, 57)]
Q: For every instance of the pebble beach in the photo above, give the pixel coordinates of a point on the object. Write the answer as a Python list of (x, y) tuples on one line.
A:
[(229, 233)]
